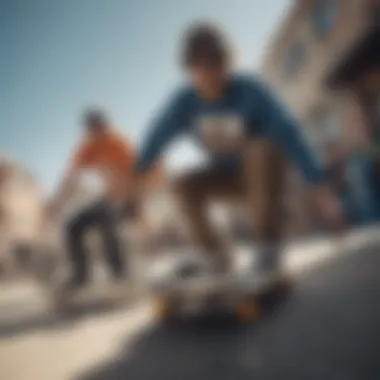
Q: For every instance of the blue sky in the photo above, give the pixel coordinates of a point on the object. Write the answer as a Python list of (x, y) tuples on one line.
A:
[(58, 56)]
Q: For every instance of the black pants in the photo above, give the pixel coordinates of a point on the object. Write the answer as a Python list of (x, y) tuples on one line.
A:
[(23, 254), (101, 216)]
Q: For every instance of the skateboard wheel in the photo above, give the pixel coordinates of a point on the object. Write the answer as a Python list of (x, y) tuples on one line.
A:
[(248, 310), (165, 309), (286, 282)]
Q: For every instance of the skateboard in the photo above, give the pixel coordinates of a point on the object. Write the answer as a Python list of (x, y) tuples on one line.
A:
[(101, 295), (240, 294)]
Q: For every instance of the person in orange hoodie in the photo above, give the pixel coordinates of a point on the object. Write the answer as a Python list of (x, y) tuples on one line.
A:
[(106, 151)]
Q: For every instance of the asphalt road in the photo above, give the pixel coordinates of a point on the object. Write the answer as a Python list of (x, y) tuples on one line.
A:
[(328, 329)]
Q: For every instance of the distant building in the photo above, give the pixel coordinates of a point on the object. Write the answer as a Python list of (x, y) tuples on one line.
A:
[(357, 72), (21, 206), (321, 45), (323, 60)]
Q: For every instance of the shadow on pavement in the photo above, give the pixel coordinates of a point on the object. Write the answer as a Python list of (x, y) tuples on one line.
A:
[(328, 330)]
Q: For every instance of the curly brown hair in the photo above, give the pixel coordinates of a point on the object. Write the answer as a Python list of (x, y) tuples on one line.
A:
[(204, 42)]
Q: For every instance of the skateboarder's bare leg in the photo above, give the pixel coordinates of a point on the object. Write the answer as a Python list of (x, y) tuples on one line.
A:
[(260, 185), (264, 176), (196, 191)]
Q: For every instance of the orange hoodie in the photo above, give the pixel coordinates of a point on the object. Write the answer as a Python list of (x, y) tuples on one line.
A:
[(114, 157)]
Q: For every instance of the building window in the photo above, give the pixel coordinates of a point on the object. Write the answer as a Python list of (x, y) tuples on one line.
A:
[(294, 59), (324, 16)]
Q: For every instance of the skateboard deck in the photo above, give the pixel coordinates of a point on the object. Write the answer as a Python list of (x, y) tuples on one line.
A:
[(240, 292)]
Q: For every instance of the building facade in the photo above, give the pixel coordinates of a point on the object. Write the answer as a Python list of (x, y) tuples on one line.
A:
[(21, 207), (357, 72), (324, 62), (303, 60)]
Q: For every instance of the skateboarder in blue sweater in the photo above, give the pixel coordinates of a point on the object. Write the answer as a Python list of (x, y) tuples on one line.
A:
[(247, 134)]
